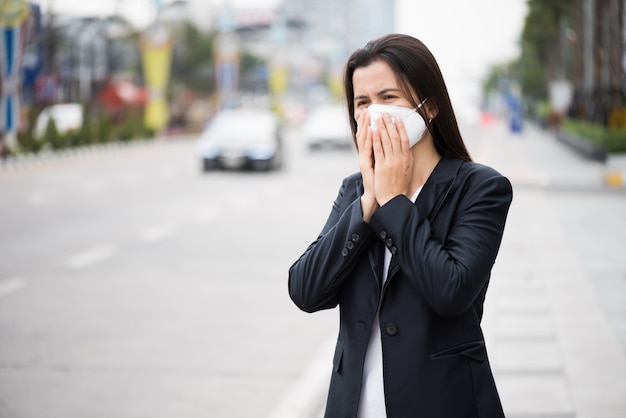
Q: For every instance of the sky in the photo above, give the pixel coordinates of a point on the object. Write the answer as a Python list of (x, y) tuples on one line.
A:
[(466, 37), (139, 12)]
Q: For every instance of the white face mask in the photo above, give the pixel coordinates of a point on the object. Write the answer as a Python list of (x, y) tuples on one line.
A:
[(414, 123)]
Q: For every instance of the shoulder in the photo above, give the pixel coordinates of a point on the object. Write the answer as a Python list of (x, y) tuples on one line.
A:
[(352, 178), (476, 175), (351, 187), (478, 170), (352, 182)]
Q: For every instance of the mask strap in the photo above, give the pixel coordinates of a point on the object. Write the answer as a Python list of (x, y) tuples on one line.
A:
[(420, 105)]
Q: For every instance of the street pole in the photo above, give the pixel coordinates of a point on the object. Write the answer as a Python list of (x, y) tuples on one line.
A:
[(12, 16), (588, 21)]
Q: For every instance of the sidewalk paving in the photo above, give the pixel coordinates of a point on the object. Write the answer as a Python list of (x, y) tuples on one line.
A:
[(553, 341), (552, 344)]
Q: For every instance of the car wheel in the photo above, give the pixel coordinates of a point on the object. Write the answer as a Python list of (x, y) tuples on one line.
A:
[(208, 165), (262, 165)]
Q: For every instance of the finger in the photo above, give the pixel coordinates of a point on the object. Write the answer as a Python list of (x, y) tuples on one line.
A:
[(404, 138), (387, 132), (377, 146), (364, 143), (362, 130)]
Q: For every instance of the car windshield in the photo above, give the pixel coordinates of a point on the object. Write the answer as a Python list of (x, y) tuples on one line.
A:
[(241, 126)]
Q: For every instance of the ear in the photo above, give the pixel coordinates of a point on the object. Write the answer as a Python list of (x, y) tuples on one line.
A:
[(432, 110)]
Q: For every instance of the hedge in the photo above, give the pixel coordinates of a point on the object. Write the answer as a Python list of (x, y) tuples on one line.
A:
[(613, 140)]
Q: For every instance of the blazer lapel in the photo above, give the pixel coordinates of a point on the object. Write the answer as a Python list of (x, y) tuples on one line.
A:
[(433, 195), (437, 186)]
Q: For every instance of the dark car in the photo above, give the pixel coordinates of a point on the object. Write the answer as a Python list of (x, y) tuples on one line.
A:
[(243, 138)]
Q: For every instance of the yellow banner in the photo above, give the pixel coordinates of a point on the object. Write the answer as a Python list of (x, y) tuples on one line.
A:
[(13, 12), (156, 50), (278, 80)]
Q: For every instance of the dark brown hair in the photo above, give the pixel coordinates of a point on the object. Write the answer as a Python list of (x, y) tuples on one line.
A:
[(419, 76)]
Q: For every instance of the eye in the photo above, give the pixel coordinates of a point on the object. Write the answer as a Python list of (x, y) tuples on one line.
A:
[(362, 103)]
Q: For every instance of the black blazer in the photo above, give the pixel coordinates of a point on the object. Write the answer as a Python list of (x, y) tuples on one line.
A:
[(443, 246)]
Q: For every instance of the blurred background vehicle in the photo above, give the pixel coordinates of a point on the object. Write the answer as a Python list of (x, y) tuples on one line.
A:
[(327, 126), (67, 117), (243, 138)]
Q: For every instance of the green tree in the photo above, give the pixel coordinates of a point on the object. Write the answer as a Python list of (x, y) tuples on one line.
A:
[(543, 54), (52, 137), (192, 58), (543, 31)]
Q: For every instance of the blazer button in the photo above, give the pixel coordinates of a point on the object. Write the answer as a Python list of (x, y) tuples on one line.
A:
[(356, 237), (349, 245), (383, 234), (344, 252), (393, 250), (391, 329), (389, 242)]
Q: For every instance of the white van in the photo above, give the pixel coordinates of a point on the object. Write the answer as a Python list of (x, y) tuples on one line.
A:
[(67, 117)]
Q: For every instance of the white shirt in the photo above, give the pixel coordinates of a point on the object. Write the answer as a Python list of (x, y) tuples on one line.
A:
[(372, 401)]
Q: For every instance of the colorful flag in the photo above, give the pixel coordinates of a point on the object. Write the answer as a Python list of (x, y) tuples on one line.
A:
[(12, 14)]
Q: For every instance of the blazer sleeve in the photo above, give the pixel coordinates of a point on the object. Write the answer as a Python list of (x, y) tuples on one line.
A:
[(450, 272), (315, 279)]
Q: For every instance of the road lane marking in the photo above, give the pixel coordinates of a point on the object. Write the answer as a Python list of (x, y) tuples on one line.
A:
[(89, 257), (11, 285), (158, 232)]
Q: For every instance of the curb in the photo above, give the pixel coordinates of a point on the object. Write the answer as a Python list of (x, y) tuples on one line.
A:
[(615, 174), (76, 153), (583, 147)]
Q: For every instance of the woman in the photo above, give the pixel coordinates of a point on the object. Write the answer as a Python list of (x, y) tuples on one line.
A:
[(408, 248)]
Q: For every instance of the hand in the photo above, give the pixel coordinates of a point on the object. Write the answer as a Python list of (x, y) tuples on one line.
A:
[(393, 169), (366, 165)]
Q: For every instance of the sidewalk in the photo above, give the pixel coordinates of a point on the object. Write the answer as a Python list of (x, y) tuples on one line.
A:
[(553, 346), (553, 341)]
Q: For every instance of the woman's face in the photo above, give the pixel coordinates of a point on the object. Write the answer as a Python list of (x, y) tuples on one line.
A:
[(376, 84)]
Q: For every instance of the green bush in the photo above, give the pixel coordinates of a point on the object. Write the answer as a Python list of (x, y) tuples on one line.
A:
[(613, 140), (97, 128), (52, 137), (103, 132), (85, 135), (26, 141), (132, 128)]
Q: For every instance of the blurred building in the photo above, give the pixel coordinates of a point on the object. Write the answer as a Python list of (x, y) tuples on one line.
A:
[(595, 58), (83, 53), (335, 28), (309, 41)]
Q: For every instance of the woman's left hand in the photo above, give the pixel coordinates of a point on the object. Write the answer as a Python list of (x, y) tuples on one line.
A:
[(393, 168)]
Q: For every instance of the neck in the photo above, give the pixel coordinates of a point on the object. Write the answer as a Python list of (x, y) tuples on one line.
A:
[(425, 159)]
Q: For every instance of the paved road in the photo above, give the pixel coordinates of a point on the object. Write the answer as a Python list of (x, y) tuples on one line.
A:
[(131, 285)]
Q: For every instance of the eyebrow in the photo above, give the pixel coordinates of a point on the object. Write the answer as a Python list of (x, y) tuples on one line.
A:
[(380, 93)]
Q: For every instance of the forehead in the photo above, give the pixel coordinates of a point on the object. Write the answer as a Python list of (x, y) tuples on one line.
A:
[(373, 78)]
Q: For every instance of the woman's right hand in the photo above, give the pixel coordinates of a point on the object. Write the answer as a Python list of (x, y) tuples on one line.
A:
[(366, 164)]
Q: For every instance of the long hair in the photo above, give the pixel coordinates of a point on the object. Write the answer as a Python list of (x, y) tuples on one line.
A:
[(419, 76)]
